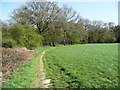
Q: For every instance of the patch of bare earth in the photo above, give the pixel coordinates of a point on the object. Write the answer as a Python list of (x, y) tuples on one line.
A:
[(12, 58), (40, 80)]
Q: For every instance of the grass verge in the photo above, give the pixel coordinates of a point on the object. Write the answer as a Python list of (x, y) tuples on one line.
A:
[(25, 76)]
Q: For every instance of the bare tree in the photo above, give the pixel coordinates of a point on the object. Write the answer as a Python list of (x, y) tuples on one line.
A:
[(38, 14), (98, 23), (111, 24), (86, 24)]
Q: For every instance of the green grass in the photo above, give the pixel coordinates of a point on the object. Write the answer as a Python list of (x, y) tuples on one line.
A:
[(25, 77), (73, 66), (46, 48), (83, 66)]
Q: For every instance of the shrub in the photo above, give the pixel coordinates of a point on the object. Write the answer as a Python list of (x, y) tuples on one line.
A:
[(25, 36), (8, 43), (31, 37), (17, 32)]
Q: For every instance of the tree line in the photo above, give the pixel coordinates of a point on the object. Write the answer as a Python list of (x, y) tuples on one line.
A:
[(45, 23)]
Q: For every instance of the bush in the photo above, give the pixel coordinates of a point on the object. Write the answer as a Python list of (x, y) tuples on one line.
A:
[(25, 36), (17, 32), (113, 39), (32, 38), (8, 43)]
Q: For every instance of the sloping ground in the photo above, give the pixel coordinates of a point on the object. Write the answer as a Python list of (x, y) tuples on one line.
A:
[(12, 58)]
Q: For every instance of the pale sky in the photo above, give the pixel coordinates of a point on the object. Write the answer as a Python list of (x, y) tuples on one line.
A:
[(104, 11)]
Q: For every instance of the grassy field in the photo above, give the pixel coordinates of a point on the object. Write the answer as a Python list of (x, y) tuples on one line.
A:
[(83, 66), (72, 66)]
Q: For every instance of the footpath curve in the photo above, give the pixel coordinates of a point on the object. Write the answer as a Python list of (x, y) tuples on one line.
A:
[(40, 80)]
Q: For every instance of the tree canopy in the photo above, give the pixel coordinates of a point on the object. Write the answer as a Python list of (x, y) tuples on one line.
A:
[(45, 23)]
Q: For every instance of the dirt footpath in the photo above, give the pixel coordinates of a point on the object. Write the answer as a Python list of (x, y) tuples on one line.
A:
[(41, 80)]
